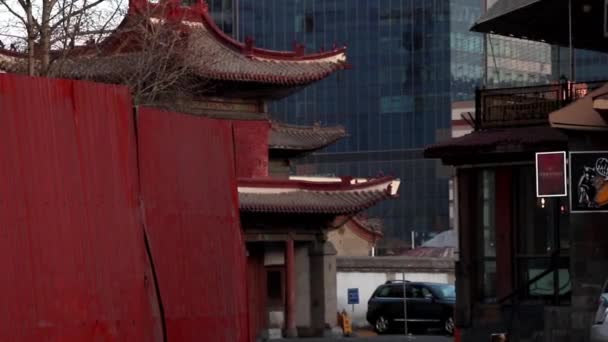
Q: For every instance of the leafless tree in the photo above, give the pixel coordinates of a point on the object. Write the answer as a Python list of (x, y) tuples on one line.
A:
[(68, 44), (159, 71), (43, 27)]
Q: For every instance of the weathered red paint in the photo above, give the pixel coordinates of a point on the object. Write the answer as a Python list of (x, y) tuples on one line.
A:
[(256, 285), (251, 147), (72, 256), (192, 218), (74, 193)]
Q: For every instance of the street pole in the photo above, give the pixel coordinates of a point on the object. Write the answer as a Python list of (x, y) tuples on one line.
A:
[(570, 43), (413, 239), (404, 305)]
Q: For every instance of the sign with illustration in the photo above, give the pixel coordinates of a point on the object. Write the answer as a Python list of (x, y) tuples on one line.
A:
[(589, 181), (551, 174)]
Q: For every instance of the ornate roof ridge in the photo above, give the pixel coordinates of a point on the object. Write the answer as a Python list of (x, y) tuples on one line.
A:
[(198, 12), (303, 138), (301, 197)]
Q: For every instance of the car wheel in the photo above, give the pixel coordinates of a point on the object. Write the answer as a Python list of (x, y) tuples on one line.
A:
[(448, 326), (381, 325)]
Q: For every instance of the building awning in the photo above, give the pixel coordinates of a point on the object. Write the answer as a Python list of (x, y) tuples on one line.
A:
[(547, 21), (498, 141), (309, 197), (284, 137), (589, 113)]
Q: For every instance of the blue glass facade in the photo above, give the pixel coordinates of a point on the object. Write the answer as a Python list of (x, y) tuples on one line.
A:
[(588, 65), (224, 14), (466, 49)]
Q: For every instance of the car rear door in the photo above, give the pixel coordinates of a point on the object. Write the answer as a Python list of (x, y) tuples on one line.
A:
[(433, 310), (419, 307)]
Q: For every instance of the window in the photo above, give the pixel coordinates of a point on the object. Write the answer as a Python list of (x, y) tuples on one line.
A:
[(541, 232), (309, 23), (539, 228), (418, 292), (298, 23), (396, 291), (384, 292)]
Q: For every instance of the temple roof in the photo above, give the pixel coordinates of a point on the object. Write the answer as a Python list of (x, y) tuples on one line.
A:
[(369, 229), (206, 51), (303, 138), (310, 197)]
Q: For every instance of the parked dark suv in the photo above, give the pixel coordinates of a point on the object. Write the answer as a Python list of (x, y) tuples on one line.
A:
[(429, 305)]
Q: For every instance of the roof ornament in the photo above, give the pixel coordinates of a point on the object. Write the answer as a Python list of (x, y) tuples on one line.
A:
[(299, 49), (346, 179), (248, 47)]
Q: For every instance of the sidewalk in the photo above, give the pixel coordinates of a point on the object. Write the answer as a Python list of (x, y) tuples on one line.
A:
[(364, 336)]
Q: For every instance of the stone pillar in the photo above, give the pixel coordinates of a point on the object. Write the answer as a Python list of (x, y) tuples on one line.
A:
[(290, 289), (303, 289), (324, 302)]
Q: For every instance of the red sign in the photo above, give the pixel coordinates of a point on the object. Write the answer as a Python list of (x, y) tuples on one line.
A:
[(551, 174)]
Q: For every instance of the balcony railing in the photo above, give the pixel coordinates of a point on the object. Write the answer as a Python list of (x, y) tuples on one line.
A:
[(526, 106)]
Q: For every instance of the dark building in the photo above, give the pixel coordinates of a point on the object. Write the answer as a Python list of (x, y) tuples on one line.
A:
[(532, 263)]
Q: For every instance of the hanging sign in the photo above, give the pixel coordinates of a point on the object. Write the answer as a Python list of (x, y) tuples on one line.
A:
[(589, 181), (551, 174)]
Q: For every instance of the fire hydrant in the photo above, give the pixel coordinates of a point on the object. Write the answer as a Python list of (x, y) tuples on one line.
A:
[(345, 323)]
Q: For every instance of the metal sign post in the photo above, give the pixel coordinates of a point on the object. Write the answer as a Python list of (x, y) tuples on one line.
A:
[(353, 297), (405, 330)]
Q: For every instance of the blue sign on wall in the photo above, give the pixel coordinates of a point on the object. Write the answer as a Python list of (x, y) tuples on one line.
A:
[(353, 296)]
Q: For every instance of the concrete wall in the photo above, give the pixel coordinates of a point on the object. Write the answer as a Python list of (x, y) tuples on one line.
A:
[(367, 273)]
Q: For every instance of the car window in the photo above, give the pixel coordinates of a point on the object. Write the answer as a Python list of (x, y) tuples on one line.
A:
[(418, 291), (444, 290), (384, 292), (396, 291)]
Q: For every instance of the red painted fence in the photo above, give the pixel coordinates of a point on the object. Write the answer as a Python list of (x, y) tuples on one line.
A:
[(189, 190), (74, 261)]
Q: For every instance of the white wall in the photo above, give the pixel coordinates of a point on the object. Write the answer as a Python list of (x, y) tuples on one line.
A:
[(367, 282)]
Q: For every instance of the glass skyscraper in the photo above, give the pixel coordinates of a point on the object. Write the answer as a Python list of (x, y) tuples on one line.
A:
[(224, 14)]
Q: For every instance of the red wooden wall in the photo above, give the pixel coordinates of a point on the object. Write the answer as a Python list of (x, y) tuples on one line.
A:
[(256, 287), (189, 191), (251, 147), (73, 257)]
